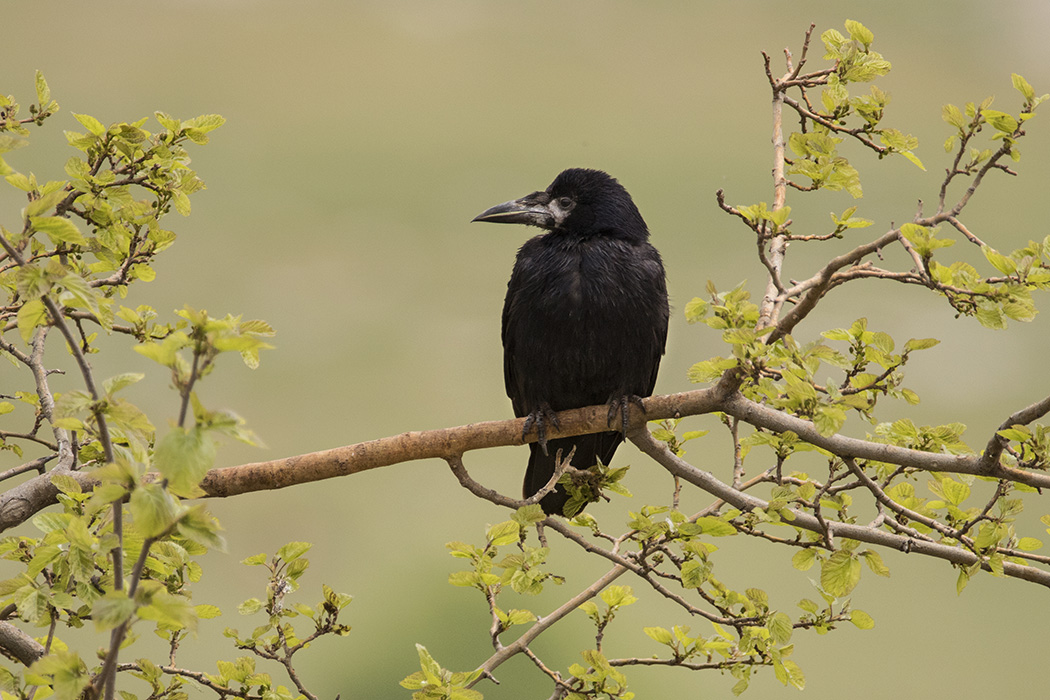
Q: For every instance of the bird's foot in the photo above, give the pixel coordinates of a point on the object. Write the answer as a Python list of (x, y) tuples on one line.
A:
[(621, 405), (540, 419)]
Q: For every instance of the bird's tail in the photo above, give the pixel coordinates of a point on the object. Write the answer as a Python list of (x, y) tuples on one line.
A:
[(589, 449)]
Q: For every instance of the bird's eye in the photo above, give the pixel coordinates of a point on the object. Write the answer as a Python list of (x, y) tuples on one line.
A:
[(565, 204)]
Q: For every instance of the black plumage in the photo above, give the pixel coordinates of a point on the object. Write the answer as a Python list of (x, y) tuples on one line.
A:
[(585, 318)]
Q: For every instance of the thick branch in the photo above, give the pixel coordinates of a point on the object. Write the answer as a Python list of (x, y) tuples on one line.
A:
[(18, 645), (20, 503), (764, 417), (1023, 417)]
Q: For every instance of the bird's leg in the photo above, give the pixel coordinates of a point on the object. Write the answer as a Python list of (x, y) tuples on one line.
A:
[(621, 405), (540, 418)]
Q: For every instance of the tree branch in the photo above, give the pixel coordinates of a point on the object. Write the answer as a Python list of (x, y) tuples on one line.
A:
[(709, 483)]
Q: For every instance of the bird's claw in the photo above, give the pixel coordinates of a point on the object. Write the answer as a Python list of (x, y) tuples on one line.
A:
[(540, 419), (621, 405)]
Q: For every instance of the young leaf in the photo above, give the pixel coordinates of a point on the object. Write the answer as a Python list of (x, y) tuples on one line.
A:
[(90, 123), (58, 229), (861, 619), (32, 315), (840, 573), (184, 457)]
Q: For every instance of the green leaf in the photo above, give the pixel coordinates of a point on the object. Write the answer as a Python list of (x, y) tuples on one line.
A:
[(1002, 121), (504, 533), (804, 559), (780, 628), (32, 315), (780, 216), (198, 525), (861, 619), (142, 271), (64, 482), (989, 535), (875, 563), (1029, 544), (920, 344), (293, 550), (60, 671), (183, 457), (990, 317), (693, 574), (808, 605), (696, 309), (9, 143), (526, 515), (860, 33), (953, 115), (715, 527), (118, 382), (618, 596), (166, 351), (954, 491), (250, 606), (152, 508), (44, 92), (961, 581), (257, 327), (58, 229), (181, 202), (1017, 433), (168, 122), (112, 609), (1022, 86), (431, 668), (913, 158), (840, 573), (90, 123), (999, 261), (828, 419), (205, 122), (168, 610), (660, 635), (464, 579)]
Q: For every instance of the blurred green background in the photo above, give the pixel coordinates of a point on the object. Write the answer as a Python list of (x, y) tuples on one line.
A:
[(361, 139)]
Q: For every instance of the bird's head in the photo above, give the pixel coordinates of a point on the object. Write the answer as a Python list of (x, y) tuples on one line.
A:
[(580, 202)]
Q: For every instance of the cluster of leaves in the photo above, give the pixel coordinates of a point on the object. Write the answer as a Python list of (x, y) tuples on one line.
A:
[(783, 374), (816, 147), (432, 682), (122, 552), (67, 575), (599, 678), (669, 547), (841, 115), (277, 639), (763, 634), (522, 570), (589, 485), (992, 300)]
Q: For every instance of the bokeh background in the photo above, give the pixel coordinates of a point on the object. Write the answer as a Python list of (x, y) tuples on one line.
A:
[(361, 139)]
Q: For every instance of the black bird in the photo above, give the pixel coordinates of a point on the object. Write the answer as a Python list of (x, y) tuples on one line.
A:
[(585, 318)]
